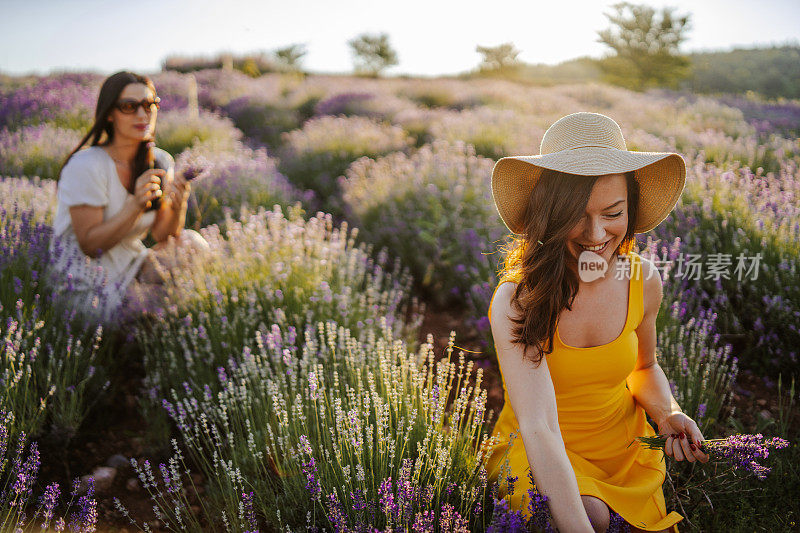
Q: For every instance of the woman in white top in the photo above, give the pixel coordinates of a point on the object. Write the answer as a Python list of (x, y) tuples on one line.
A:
[(108, 200)]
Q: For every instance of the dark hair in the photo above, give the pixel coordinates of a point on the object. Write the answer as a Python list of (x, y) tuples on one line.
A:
[(109, 93), (545, 284)]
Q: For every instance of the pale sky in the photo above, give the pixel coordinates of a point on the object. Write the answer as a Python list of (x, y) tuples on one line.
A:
[(431, 37)]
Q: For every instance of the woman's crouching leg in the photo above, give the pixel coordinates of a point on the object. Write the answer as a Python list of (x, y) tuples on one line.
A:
[(598, 513), (191, 239), (152, 270)]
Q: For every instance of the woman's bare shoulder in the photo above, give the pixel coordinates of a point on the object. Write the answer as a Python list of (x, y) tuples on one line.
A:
[(501, 302)]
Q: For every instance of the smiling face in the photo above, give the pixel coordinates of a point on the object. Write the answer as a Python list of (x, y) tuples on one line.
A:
[(605, 221), (141, 124)]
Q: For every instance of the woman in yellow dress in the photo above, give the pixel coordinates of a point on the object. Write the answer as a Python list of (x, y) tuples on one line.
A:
[(573, 321)]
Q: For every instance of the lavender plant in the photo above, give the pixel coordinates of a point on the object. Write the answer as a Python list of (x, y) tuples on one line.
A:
[(229, 179), (179, 130), (537, 514), (35, 150), (262, 120), (267, 269), (36, 197), (341, 434), (699, 366), (751, 223), (48, 354), (63, 101), (376, 106), (314, 156), (433, 210), (493, 132), (175, 495), (17, 489)]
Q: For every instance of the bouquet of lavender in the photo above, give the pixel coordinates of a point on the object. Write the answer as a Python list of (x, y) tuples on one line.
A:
[(741, 451)]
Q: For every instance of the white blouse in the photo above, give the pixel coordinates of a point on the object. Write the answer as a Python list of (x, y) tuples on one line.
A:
[(90, 178)]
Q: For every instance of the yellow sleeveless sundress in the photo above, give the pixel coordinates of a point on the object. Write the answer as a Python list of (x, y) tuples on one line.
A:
[(598, 418)]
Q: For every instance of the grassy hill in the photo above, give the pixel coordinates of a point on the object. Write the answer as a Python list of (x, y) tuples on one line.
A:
[(771, 72)]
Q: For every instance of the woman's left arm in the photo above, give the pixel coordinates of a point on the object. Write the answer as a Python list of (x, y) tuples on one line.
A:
[(649, 385), (171, 216)]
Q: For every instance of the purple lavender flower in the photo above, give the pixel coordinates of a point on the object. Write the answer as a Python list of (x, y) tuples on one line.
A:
[(49, 501), (386, 500), (740, 451), (336, 514), (252, 523), (313, 485), (85, 519), (538, 507), (617, 524), (506, 521)]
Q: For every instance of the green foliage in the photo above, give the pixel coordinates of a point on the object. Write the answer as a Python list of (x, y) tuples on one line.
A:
[(263, 121), (365, 411), (499, 57), (290, 56), (372, 53), (646, 47), (773, 72), (179, 130), (251, 64)]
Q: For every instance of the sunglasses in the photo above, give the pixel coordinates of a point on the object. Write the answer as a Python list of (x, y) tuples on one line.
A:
[(129, 106)]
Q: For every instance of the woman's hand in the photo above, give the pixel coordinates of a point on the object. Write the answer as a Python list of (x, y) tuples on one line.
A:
[(176, 189), (148, 187), (683, 438)]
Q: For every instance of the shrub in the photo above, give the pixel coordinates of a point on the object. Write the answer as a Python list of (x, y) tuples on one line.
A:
[(226, 180), (314, 156), (433, 210), (36, 150), (267, 269), (62, 101), (348, 427), (179, 130)]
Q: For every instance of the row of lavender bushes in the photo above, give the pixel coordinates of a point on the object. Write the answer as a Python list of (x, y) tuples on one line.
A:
[(52, 368)]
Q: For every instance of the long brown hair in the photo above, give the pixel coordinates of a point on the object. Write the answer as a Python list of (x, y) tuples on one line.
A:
[(109, 93), (545, 283)]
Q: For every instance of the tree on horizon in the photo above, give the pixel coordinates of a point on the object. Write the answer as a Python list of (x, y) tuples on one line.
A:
[(646, 46), (372, 54), (498, 58), (290, 56)]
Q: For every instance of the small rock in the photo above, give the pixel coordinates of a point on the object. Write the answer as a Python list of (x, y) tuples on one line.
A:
[(156, 524), (766, 415), (103, 477), (138, 447), (132, 484), (762, 402), (118, 461), (131, 402)]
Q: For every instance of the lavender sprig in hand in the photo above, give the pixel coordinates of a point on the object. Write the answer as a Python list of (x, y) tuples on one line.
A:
[(741, 451)]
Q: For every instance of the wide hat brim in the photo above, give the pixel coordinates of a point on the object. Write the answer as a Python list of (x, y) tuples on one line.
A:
[(661, 177)]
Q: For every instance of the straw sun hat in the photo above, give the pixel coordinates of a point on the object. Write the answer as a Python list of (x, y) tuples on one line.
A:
[(589, 144)]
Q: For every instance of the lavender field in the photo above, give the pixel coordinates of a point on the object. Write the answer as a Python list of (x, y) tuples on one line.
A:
[(302, 376)]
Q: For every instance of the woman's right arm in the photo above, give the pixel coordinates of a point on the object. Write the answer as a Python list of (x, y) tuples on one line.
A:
[(94, 235), (530, 391)]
